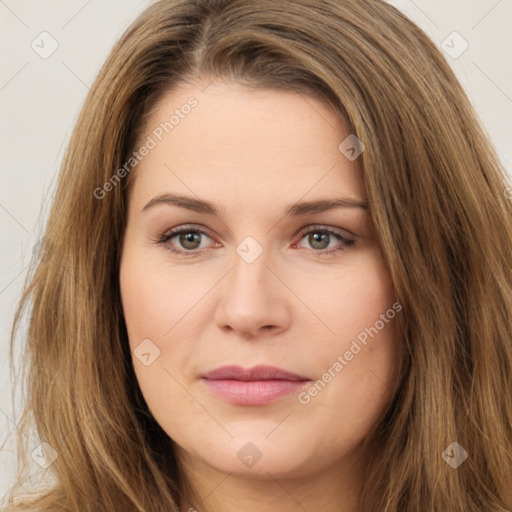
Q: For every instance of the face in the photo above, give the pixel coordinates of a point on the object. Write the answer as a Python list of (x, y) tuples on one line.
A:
[(248, 245)]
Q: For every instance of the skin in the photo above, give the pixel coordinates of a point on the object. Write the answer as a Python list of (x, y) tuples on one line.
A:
[(253, 153)]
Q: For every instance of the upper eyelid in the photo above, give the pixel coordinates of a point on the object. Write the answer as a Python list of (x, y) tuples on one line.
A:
[(187, 227), (320, 227)]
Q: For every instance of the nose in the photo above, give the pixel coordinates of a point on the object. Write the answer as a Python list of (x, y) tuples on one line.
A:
[(253, 299)]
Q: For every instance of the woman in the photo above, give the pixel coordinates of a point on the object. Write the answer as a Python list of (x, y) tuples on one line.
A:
[(276, 274)]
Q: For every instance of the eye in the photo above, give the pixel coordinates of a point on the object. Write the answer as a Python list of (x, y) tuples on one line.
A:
[(188, 241), (324, 241)]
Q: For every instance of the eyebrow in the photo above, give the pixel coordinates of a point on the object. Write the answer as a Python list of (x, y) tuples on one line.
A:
[(294, 210)]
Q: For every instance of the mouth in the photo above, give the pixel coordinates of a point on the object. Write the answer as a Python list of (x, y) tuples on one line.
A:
[(253, 386)]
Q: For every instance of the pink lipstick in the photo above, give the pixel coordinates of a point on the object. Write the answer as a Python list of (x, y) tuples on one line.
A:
[(253, 386)]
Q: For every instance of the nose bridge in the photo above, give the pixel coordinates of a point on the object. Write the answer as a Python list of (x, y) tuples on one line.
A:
[(250, 299), (249, 280)]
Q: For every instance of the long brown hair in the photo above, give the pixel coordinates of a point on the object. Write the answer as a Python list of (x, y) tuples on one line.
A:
[(437, 196)]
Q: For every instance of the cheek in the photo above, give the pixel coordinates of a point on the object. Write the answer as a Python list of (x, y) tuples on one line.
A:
[(154, 299), (355, 360), (155, 305), (349, 301)]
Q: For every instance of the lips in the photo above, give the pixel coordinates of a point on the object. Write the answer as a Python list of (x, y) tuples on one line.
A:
[(253, 386), (261, 372)]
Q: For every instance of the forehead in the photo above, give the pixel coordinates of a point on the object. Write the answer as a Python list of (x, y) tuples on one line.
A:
[(226, 139)]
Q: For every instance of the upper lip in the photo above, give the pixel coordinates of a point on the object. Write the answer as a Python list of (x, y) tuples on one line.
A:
[(261, 372)]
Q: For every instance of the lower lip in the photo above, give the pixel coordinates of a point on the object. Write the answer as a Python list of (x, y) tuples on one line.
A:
[(256, 392)]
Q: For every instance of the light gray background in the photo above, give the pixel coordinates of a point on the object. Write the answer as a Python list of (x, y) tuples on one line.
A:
[(41, 98)]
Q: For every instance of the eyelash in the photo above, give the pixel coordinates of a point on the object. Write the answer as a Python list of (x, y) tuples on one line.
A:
[(166, 237)]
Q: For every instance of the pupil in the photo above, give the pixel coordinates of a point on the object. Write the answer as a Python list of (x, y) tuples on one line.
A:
[(319, 238), (189, 239)]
